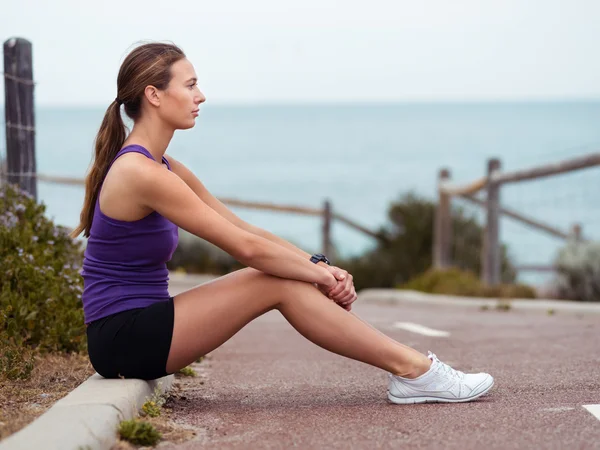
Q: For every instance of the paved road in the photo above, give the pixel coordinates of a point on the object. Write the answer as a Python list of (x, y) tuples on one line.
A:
[(270, 388)]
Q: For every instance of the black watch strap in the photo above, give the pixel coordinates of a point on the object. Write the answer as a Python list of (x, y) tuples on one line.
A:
[(318, 257)]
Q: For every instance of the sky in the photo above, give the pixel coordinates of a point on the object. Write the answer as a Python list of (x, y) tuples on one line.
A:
[(277, 51)]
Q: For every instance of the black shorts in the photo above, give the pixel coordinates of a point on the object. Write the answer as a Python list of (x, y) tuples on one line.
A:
[(133, 343)]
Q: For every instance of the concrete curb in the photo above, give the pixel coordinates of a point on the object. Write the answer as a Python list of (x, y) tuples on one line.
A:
[(398, 296), (88, 417)]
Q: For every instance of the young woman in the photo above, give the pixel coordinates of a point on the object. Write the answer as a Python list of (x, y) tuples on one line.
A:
[(137, 197)]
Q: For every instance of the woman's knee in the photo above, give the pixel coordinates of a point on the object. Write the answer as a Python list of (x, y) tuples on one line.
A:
[(281, 289)]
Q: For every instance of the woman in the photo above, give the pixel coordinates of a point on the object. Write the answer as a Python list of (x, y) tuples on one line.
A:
[(137, 197)]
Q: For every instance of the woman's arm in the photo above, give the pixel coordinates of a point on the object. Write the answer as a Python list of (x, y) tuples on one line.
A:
[(166, 193), (200, 190)]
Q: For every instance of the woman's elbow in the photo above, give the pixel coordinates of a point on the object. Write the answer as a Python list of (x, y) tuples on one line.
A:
[(247, 250)]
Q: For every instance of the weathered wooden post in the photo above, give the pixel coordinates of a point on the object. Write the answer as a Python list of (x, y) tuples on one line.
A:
[(576, 232), (442, 228), (326, 245), (491, 263), (19, 114)]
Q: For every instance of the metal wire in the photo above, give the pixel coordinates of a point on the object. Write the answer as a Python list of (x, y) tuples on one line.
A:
[(25, 81)]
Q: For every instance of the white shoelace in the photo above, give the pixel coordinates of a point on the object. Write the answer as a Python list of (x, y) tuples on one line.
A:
[(446, 368)]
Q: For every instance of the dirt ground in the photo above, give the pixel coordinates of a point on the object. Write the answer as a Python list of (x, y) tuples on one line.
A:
[(53, 377)]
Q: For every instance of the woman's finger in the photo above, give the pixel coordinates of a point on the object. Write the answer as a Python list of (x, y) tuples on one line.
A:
[(352, 298), (339, 289), (347, 298)]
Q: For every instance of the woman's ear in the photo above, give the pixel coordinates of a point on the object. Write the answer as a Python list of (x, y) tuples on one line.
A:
[(152, 95)]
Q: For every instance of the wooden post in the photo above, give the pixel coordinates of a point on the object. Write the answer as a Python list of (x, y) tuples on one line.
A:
[(327, 216), (491, 263), (442, 228), (576, 232), (19, 115)]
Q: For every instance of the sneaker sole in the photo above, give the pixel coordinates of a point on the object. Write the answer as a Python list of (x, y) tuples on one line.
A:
[(412, 400)]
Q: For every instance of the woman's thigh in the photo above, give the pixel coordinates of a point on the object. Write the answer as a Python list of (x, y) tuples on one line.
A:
[(208, 315)]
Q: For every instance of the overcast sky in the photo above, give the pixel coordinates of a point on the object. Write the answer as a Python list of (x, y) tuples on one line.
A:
[(265, 51)]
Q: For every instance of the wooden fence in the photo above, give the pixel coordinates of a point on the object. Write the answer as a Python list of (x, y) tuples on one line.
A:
[(20, 166), (490, 185)]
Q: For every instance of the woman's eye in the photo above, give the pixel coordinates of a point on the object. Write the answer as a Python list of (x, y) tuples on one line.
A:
[(192, 85)]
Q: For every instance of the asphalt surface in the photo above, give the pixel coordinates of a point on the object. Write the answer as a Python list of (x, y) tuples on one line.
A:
[(270, 388)]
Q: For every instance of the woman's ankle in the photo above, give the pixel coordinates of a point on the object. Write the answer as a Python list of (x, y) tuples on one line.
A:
[(415, 370)]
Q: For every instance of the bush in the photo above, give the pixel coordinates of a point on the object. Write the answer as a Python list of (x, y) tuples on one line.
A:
[(464, 283), (578, 266), (40, 287), (409, 252), (187, 371), (151, 408), (139, 432)]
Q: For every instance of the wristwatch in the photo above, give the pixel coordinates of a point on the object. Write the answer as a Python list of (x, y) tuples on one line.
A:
[(318, 257)]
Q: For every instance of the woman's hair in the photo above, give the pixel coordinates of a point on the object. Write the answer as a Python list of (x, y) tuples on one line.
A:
[(148, 64)]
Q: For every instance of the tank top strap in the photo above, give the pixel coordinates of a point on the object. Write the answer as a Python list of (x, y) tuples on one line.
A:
[(137, 149), (133, 148)]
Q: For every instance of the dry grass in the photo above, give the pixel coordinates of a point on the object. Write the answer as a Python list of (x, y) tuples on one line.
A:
[(53, 377)]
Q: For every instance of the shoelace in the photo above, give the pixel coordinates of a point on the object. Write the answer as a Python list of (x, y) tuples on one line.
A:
[(446, 368)]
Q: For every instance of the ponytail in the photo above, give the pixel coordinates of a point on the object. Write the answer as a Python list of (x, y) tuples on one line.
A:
[(148, 64), (109, 140)]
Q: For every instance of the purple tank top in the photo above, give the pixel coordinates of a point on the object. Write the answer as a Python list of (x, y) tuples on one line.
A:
[(125, 263)]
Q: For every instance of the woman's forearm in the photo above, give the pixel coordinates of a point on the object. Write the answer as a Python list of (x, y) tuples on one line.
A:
[(279, 260), (280, 241)]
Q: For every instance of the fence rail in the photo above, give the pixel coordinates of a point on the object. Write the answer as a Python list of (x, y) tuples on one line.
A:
[(326, 212), (570, 165), (491, 185)]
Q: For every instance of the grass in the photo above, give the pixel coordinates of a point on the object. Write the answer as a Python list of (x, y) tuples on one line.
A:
[(139, 432), (157, 418), (153, 406), (188, 372), (53, 377)]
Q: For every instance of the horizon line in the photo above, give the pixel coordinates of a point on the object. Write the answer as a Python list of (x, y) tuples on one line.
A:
[(248, 103)]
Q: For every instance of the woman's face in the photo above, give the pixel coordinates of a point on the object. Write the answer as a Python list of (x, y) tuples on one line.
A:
[(179, 104)]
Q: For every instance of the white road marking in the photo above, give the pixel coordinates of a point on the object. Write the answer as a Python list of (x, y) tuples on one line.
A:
[(558, 409), (594, 409), (416, 328)]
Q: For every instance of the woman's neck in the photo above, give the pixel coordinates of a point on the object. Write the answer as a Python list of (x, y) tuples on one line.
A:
[(154, 136)]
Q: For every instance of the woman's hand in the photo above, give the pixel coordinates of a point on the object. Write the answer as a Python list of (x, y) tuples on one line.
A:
[(343, 293)]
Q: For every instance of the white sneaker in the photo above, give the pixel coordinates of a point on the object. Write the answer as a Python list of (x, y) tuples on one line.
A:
[(441, 383)]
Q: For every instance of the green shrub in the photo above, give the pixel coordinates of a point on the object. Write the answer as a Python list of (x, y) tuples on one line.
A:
[(464, 283), (187, 371), (40, 287), (139, 432), (151, 408), (578, 266), (509, 291), (452, 281), (409, 252)]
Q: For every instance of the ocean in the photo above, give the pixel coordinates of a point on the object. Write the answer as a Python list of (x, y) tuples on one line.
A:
[(361, 157)]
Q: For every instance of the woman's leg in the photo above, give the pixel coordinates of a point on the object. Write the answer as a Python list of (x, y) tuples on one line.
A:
[(208, 315)]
